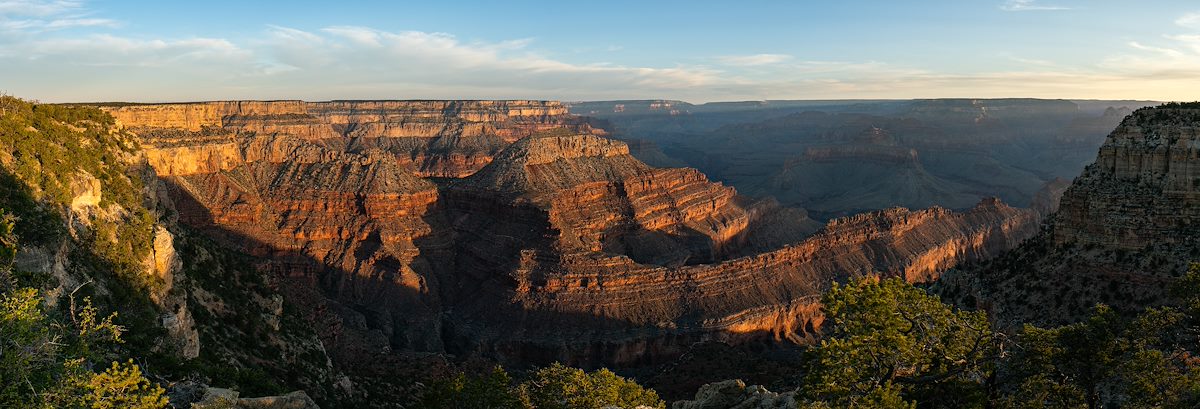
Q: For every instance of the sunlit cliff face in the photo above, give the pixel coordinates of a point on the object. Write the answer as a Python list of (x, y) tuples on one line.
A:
[(559, 246)]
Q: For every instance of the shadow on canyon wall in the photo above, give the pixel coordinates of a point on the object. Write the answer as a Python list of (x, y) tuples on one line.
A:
[(465, 309)]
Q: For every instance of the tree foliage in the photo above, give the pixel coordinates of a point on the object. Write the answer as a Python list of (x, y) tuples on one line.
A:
[(122, 386), (554, 387), (561, 387), (491, 391), (1107, 361), (55, 149), (892, 344), (44, 361)]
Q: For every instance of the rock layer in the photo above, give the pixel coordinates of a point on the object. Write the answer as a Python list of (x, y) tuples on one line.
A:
[(624, 261), (1124, 231), (1143, 188), (433, 138), (561, 246)]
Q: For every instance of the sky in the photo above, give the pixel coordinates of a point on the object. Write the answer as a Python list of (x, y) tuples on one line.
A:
[(697, 50)]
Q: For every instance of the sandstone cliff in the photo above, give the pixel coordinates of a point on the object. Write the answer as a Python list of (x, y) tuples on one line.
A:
[(622, 262), (303, 204), (1144, 187), (432, 138), (558, 245), (95, 222)]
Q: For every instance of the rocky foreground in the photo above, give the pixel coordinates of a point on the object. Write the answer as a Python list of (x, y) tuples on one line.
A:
[(514, 230)]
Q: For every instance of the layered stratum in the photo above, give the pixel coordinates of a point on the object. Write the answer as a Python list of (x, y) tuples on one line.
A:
[(437, 138), (1143, 188), (516, 231)]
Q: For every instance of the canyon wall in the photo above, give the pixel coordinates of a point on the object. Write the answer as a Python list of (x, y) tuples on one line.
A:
[(332, 119), (432, 138), (1143, 188), (1124, 231), (556, 245)]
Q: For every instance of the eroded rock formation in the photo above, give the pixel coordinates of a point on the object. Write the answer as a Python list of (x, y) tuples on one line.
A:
[(561, 246), (1124, 230), (298, 202), (1144, 187), (433, 138)]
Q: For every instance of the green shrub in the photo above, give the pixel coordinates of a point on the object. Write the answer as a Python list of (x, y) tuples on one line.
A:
[(494, 391), (554, 387), (562, 387), (43, 360), (892, 342)]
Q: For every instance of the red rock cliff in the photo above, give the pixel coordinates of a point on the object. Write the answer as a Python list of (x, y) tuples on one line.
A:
[(433, 138), (623, 261), (561, 246)]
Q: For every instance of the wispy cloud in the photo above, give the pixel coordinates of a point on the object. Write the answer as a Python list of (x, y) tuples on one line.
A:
[(1173, 59), (38, 7), (26, 16), (100, 60), (440, 58), (753, 60), (1033, 62), (1189, 20), (331, 62), (1029, 5)]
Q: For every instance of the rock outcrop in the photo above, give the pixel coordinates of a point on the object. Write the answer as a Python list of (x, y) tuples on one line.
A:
[(541, 249), (1124, 230), (361, 218), (98, 228), (1144, 187), (561, 246)]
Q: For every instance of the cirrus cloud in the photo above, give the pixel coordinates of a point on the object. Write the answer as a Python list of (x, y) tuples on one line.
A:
[(753, 60), (1189, 20), (100, 61), (1029, 5)]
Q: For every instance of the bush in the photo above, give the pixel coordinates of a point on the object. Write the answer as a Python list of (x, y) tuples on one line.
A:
[(493, 391), (562, 387), (891, 342), (122, 386), (553, 387), (43, 360)]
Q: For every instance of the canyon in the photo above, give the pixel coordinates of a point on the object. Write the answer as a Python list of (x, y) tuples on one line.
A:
[(519, 232), (838, 158)]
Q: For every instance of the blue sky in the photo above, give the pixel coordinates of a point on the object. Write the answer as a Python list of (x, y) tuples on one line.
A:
[(77, 50)]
